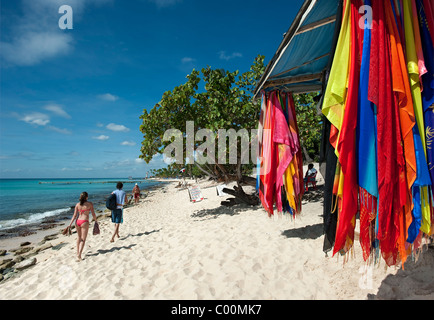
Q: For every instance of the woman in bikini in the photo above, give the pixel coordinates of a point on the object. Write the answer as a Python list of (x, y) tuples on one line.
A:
[(81, 213)]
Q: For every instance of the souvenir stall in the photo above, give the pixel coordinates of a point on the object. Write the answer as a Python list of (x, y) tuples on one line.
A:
[(372, 64)]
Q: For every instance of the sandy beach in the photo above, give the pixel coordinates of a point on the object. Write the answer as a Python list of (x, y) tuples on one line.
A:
[(171, 248)]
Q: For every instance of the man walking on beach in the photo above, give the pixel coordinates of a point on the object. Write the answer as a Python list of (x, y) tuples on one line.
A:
[(117, 214)]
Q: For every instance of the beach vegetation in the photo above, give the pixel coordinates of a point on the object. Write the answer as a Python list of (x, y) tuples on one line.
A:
[(223, 102), (309, 123), (194, 118)]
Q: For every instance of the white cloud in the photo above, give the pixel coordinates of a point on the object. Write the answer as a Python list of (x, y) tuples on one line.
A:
[(32, 48), (35, 36), (101, 137), (128, 143), (187, 60), (224, 56), (36, 118), (59, 130), (108, 97), (57, 110), (117, 127)]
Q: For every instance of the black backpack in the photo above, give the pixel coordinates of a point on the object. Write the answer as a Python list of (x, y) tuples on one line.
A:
[(111, 202)]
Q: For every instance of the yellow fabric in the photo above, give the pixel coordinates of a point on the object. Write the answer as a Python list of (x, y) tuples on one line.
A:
[(289, 185), (413, 71), (336, 91)]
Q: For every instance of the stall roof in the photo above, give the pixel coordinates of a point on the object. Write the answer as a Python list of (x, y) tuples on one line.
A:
[(301, 59)]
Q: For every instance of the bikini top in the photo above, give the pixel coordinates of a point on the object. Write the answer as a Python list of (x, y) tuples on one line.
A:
[(82, 211)]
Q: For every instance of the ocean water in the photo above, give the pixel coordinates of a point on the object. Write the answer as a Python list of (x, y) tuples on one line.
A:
[(30, 201)]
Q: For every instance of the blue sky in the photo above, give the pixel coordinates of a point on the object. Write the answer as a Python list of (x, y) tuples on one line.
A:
[(70, 100)]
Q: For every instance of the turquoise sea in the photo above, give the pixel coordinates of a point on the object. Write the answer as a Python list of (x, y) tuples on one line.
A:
[(25, 202)]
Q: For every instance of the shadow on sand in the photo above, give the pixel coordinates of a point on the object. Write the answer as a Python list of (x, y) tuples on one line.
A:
[(415, 282), (129, 247), (314, 195), (308, 232), (102, 251), (222, 210), (147, 233)]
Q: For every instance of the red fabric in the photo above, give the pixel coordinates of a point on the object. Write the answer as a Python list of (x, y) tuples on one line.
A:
[(270, 177), (268, 174), (389, 149), (283, 145), (368, 208), (347, 146), (401, 88)]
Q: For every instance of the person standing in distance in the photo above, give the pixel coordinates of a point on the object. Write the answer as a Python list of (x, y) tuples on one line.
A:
[(117, 214)]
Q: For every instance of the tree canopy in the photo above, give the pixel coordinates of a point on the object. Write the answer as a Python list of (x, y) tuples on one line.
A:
[(225, 101)]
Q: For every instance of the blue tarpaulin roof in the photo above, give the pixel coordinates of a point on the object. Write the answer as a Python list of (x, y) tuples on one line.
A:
[(301, 59)]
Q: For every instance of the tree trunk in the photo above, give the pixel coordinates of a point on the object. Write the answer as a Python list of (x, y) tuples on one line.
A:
[(305, 153), (239, 194), (209, 174)]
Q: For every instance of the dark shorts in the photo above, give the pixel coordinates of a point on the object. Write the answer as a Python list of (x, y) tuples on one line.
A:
[(117, 216)]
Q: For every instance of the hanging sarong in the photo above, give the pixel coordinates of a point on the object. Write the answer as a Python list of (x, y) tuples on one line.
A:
[(391, 172), (366, 142), (428, 86), (423, 180), (346, 144), (336, 91), (269, 160), (401, 88), (292, 179), (284, 146), (259, 139)]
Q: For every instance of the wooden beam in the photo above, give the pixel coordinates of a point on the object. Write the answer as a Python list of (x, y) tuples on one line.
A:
[(316, 24), (298, 79), (302, 65), (306, 7)]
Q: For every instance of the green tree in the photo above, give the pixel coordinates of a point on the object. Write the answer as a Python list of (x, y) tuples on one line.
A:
[(225, 103), (309, 124)]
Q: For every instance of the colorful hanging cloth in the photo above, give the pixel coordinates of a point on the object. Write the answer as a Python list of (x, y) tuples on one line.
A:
[(336, 91), (294, 171), (269, 160), (423, 180), (366, 144), (428, 85), (284, 145), (391, 177), (402, 93), (259, 139), (346, 143)]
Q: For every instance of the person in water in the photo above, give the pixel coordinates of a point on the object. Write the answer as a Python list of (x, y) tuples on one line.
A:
[(81, 213)]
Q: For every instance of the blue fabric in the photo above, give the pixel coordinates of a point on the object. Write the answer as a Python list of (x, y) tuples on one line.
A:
[(366, 139), (414, 228), (422, 175), (422, 179), (428, 87)]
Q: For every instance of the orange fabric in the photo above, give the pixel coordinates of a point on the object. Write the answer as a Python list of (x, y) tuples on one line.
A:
[(401, 88)]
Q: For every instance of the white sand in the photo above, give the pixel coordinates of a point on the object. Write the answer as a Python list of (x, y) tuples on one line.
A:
[(171, 248)]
